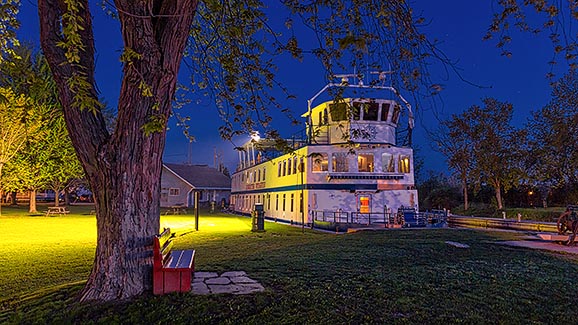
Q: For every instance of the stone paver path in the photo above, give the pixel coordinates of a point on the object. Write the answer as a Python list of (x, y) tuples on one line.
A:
[(235, 282)]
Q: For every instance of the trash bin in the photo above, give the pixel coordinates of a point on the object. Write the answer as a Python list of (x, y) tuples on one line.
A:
[(258, 216)]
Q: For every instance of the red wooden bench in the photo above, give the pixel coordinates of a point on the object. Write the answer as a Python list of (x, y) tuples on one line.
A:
[(172, 269)]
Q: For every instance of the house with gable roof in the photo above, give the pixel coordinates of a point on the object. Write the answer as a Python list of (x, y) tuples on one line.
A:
[(180, 182)]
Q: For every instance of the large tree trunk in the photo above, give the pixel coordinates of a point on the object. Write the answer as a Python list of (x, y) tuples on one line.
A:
[(123, 168), (498, 193)]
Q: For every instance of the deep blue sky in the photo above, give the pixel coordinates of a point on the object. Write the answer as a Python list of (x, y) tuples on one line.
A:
[(458, 25)]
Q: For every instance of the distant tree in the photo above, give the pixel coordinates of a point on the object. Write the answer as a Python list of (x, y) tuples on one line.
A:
[(482, 146), (553, 133), (15, 126), (48, 158), (497, 146), (456, 144), (437, 192)]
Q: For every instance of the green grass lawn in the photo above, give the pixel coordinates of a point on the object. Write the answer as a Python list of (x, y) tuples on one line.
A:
[(405, 276)]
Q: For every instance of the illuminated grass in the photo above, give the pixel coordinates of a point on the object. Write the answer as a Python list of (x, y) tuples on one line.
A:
[(310, 277)]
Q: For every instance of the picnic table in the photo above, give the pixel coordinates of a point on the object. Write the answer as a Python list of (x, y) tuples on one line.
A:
[(176, 209), (57, 210)]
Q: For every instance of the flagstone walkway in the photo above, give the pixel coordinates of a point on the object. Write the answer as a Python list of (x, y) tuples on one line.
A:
[(234, 282)]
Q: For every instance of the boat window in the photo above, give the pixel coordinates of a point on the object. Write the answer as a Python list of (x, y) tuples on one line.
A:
[(365, 162), (338, 112), (339, 162), (370, 111), (319, 162), (384, 111), (395, 117), (356, 110), (387, 164), (403, 164)]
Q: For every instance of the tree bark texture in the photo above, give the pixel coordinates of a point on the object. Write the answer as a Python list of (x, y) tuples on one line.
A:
[(122, 167)]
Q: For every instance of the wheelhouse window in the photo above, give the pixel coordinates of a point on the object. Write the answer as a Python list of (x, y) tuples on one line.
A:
[(365, 111), (387, 163), (395, 116), (403, 164), (338, 112), (384, 111), (365, 162), (339, 162), (320, 162)]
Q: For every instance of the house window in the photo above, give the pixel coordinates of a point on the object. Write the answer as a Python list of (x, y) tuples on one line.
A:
[(365, 162), (403, 164), (268, 201), (387, 162), (263, 173), (284, 202), (301, 164), (289, 166), (339, 162), (284, 167), (174, 191), (319, 162), (291, 206), (258, 175), (276, 202), (294, 165), (279, 169)]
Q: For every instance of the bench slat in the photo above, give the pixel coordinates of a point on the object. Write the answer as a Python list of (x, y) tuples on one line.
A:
[(181, 260)]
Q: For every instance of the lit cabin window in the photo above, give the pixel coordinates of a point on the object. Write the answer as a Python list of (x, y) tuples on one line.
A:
[(384, 111), (338, 112), (365, 162), (395, 116), (319, 162), (403, 164), (387, 164), (339, 162)]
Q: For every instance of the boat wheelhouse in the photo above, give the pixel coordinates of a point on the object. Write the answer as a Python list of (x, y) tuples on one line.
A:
[(348, 168)]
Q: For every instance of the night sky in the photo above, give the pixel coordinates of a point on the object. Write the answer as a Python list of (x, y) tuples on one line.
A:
[(458, 25)]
